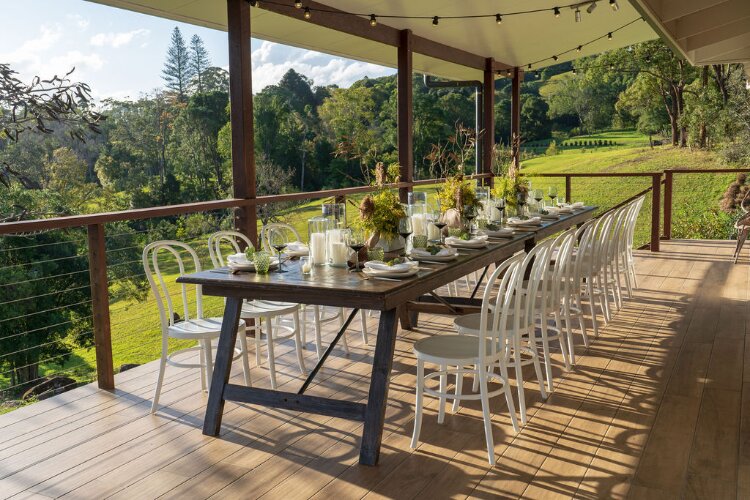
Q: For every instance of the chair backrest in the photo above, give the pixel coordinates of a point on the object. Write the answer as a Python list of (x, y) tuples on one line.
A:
[(536, 265), (633, 220), (155, 276), (268, 229), (497, 304), (559, 281), (226, 238)]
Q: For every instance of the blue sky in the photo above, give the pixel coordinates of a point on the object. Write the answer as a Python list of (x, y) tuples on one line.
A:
[(120, 54)]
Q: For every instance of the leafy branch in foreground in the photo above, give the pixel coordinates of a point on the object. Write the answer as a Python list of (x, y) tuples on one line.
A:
[(25, 107)]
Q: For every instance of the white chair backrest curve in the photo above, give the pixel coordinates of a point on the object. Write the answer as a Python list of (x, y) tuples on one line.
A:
[(537, 263), (152, 267), (268, 229), (230, 238), (497, 303)]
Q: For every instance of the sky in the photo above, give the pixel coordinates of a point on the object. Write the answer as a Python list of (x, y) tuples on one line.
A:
[(120, 54)]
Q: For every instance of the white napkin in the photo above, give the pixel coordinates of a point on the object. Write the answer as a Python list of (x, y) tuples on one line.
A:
[(533, 221), (477, 241), (578, 204), (379, 265), (296, 246), (444, 252), (238, 258), (503, 231)]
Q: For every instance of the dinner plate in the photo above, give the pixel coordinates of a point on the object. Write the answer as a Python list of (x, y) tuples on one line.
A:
[(380, 266), (500, 233), (433, 258), (473, 243), (391, 274), (250, 265)]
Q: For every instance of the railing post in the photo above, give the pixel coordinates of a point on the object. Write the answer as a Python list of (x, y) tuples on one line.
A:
[(668, 180), (488, 114), (405, 121), (568, 189), (105, 373), (655, 209)]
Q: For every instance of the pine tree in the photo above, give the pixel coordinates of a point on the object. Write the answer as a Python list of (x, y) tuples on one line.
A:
[(199, 62), (177, 71)]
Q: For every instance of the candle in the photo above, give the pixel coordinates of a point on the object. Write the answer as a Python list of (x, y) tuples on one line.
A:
[(339, 254), (418, 224), (433, 233), (306, 268), (318, 249)]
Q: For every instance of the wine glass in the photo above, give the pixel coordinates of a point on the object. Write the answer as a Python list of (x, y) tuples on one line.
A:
[(552, 193), (538, 196), (439, 223), (278, 241), (521, 198), (470, 213), (500, 206), (355, 239), (405, 230)]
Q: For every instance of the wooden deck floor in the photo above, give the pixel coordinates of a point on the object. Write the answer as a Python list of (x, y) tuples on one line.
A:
[(659, 406)]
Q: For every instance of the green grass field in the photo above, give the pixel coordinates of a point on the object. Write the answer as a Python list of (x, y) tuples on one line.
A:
[(135, 326)]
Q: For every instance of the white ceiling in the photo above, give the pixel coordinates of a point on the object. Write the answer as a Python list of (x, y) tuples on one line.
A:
[(518, 41), (704, 31)]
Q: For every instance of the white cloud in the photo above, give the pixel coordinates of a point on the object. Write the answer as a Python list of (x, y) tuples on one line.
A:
[(79, 21), (270, 61), (116, 40)]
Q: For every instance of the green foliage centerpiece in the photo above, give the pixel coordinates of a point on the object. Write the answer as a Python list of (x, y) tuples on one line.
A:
[(379, 213), (455, 196)]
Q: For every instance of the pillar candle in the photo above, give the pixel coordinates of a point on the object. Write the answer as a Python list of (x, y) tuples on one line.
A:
[(318, 249)]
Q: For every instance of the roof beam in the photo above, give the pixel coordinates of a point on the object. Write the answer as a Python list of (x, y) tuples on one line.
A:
[(720, 15), (670, 10), (735, 29), (721, 48), (339, 20)]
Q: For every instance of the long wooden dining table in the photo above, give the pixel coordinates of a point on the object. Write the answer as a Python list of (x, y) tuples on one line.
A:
[(330, 286)]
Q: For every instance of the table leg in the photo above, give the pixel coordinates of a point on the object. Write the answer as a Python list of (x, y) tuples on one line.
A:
[(222, 366), (377, 400)]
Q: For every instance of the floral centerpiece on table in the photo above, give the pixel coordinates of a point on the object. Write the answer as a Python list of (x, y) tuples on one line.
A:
[(379, 213), (506, 166), (454, 196)]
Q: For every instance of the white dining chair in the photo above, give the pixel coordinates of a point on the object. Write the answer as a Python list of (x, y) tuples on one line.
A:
[(260, 315), (478, 355), (160, 258)]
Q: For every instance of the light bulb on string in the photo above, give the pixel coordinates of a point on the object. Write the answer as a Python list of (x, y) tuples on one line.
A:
[(555, 58), (613, 4), (591, 7), (297, 4), (578, 49), (498, 19), (609, 36), (507, 72), (556, 10), (253, 3), (529, 67), (373, 20), (578, 15), (435, 21), (574, 71), (307, 14)]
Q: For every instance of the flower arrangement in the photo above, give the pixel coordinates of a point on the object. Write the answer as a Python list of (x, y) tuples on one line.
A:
[(456, 193), (380, 213), (509, 187)]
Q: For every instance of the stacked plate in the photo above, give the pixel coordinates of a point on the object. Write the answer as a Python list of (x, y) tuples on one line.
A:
[(240, 262), (531, 224), (476, 241), (379, 269), (503, 232), (296, 249), (444, 255)]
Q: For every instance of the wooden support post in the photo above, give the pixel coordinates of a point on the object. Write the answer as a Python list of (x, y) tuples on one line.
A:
[(488, 112), (568, 189), (515, 118), (668, 182), (405, 112), (655, 211), (241, 115), (105, 373)]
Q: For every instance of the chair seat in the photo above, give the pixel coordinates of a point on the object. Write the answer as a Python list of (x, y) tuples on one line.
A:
[(204, 328), (267, 308), (450, 348), (469, 323)]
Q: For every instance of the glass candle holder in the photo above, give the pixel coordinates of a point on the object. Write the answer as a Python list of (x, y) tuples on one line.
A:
[(305, 265), (419, 241), (317, 228), (335, 213), (262, 262)]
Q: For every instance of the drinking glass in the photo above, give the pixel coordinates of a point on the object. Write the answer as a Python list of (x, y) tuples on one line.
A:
[(278, 242), (538, 196), (355, 239), (521, 198), (438, 222), (405, 230), (262, 262), (552, 193), (305, 265), (470, 213), (500, 206)]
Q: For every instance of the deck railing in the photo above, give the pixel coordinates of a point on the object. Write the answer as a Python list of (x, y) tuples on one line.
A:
[(98, 252)]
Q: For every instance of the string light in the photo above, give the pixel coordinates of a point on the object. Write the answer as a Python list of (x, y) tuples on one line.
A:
[(574, 71), (373, 20), (307, 13), (435, 21), (609, 36), (507, 72), (578, 49), (497, 17), (555, 58), (529, 67)]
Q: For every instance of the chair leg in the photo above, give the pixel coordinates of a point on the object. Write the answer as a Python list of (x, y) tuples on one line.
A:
[(208, 354), (563, 335), (592, 306), (257, 332), (486, 415), (538, 369), (418, 404), (363, 322), (160, 380), (298, 343), (318, 336), (459, 387), (443, 391), (509, 402), (242, 337), (547, 360), (271, 356), (519, 380)]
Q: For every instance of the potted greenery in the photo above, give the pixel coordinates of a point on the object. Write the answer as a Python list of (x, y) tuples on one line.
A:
[(455, 195), (379, 213)]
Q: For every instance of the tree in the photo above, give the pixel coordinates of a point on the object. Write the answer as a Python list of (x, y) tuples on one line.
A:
[(177, 71), (199, 63), (535, 124), (215, 78)]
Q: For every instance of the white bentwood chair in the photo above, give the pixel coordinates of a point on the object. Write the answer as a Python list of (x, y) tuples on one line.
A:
[(260, 315), (480, 353), (203, 330)]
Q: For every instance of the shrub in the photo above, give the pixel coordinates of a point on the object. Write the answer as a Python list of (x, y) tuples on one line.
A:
[(552, 149)]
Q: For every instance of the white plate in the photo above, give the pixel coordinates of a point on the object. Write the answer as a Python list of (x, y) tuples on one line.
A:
[(391, 274), (433, 258), (500, 233), (459, 243), (250, 265), (297, 253), (380, 266)]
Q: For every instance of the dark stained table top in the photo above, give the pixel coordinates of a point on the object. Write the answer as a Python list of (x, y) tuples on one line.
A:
[(338, 287)]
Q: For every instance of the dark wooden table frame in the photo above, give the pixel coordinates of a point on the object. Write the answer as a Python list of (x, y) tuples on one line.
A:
[(336, 287)]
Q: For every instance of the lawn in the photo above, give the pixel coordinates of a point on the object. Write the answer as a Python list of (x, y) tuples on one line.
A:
[(136, 334)]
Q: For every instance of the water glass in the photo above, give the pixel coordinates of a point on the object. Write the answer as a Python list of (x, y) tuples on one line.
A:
[(305, 265), (376, 253), (262, 262), (419, 241)]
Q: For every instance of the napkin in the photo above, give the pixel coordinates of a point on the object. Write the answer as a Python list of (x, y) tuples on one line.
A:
[(379, 265), (578, 204), (504, 231), (476, 240), (296, 246), (238, 258), (533, 221)]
